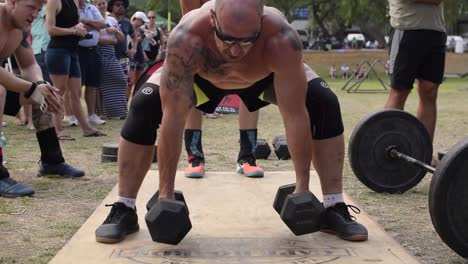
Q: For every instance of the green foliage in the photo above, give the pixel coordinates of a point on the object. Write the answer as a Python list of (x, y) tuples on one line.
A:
[(163, 6)]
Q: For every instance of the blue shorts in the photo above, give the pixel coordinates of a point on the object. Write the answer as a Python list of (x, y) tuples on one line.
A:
[(63, 61)]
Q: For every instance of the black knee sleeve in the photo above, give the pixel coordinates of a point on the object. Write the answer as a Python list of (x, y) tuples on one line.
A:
[(144, 116), (324, 110)]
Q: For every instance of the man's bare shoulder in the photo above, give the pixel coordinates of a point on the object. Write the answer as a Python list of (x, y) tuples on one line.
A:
[(282, 44), (279, 33)]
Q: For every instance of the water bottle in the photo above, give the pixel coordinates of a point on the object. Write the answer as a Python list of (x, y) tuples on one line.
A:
[(3, 143)]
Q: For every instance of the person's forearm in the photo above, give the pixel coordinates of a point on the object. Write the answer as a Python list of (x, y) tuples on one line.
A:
[(13, 83), (120, 36), (169, 150), (299, 137), (107, 41), (58, 31), (94, 24), (32, 73)]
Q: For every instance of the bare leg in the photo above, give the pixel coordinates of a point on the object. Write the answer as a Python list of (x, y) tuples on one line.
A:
[(134, 162), (328, 159), (28, 116), (90, 99), (427, 107), (74, 85), (247, 120), (131, 82), (3, 93), (60, 81), (396, 99), (194, 120)]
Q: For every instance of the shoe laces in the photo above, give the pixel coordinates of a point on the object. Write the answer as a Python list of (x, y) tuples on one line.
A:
[(342, 208), (117, 211)]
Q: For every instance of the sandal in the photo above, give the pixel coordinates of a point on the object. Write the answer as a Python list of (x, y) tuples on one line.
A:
[(65, 137)]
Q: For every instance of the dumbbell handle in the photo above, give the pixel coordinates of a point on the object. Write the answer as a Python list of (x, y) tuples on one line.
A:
[(396, 154)]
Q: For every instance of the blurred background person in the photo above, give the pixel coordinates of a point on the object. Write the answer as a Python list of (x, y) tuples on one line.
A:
[(113, 85), (90, 57), (137, 61), (62, 21)]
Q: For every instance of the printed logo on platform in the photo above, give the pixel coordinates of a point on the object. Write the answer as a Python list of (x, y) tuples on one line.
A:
[(147, 90)]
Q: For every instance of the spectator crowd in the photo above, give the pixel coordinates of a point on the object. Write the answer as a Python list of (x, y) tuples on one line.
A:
[(105, 52)]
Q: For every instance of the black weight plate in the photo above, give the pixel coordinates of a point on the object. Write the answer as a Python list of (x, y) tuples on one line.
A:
[(448, 198), (373, 135), (110, 148), (108, 158)]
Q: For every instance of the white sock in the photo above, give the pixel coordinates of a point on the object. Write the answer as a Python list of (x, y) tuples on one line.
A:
[(129, 202), (332, 199)]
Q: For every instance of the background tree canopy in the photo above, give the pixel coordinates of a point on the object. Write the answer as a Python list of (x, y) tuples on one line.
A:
[(328, 17)]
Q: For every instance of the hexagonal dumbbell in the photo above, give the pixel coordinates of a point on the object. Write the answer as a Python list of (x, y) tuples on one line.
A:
[(179, 196), (168, 220), (281, 147), (301, 212), (262, 150)]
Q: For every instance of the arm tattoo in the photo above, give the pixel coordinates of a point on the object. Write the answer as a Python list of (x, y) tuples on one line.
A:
[(41, 120), (210, 62), (294, 41), (25, 42)]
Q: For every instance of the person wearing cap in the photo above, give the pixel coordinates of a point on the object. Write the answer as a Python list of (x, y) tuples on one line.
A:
[(137, 62), (117, 10)]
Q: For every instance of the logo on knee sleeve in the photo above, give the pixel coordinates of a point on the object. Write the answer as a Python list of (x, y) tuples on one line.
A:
[(324, 85), (147, 90)]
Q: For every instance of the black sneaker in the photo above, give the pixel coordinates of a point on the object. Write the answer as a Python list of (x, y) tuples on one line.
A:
[(63, 169), (338, 221), (121, 221), (9, 188)]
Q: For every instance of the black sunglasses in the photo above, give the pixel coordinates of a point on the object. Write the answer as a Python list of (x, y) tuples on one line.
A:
[(232, 40)]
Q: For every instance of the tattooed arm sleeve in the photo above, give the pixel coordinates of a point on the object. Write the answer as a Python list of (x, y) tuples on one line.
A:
[(177, 99)]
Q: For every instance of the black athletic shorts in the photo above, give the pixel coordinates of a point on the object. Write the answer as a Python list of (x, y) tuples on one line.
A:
[(416, 54)]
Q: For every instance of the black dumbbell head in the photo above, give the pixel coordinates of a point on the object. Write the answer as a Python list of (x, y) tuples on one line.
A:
[(179, 196), (281, 148), (281, 194), (302, 213), (168, 221), (262, 150)]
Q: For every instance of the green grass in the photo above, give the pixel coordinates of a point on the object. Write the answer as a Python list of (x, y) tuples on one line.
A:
[(60, 206)]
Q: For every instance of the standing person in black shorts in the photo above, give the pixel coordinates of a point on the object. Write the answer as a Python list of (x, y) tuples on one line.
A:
[(417, 51)]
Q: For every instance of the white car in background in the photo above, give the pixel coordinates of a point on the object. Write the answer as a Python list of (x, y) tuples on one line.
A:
[(455, 44), (358, 36)]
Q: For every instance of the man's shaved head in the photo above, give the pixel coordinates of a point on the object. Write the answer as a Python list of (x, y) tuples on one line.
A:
[(237, 8)]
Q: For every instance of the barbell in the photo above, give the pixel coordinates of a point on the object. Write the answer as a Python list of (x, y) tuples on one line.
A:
[(389, 151)]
